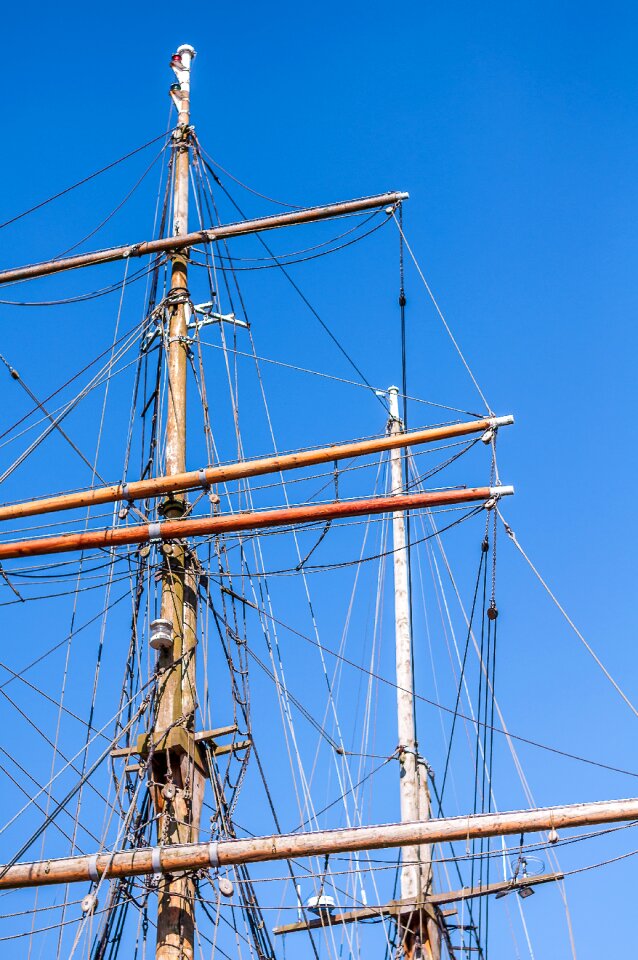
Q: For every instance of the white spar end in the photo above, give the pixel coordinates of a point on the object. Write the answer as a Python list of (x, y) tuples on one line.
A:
[(501, 492), (502, 421)]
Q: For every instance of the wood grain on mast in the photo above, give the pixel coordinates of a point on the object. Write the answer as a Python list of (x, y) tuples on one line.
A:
[(416, 871), (177, 781)]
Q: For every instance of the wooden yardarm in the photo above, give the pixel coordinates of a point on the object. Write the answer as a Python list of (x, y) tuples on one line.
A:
[(172, 528), (198, 856), (225, 473)]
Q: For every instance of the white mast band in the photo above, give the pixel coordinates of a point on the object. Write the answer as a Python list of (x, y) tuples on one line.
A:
[(156, 860), (213, 853), (154, 530), (93, 871)]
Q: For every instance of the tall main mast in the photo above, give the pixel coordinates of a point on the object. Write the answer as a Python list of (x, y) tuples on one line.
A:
[(177, 779)]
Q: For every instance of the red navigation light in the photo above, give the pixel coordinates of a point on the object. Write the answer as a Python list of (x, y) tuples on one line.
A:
[(176, 58)]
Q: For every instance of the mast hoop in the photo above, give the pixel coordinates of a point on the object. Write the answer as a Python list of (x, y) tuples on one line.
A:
[(156, 861), (155, 531), (94, 873), (213, 853)]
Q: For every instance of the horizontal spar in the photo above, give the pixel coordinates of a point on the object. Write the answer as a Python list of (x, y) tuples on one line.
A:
[(197, 856), (398, 908), (233, 523), (225, 473), (222, 232)]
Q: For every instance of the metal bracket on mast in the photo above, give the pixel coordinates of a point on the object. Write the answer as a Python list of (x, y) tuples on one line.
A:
[(205, 310), (197, 316)]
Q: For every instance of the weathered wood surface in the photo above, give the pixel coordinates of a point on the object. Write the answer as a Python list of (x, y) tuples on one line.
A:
[(231, 523), (222, 232), (197, 856)]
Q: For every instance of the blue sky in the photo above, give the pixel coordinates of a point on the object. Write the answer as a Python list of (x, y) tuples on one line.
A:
[(515, 130)]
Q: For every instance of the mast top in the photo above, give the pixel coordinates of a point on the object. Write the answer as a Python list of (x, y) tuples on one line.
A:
[(181, 66), (186, 48)]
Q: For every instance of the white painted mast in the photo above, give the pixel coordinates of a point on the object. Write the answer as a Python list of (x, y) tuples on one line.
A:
[(416, 869)]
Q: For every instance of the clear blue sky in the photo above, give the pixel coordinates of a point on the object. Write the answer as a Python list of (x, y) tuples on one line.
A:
[(515, 129)]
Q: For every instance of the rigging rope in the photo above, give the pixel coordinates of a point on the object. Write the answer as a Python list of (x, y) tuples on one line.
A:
[(262, 196), (330, 376), (571, 623), (54, 422), (294, 285), (79, 183), (115, 210), (263, 583), (440, 706), (440, 313)]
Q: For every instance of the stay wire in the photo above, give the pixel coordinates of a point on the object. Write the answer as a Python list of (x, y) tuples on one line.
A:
[(434, 703), (132, 331), (442, 318), (480, 731), (291, 259), (83, 297), (79, 183), (244, 186), (69, 796), (299, 559), (330, 376), (55, 421), (117, 208), (460, 683), (294, 285), (562, 610)]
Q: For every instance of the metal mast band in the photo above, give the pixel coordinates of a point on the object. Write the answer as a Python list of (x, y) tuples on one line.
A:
[(156, 860), (213, 853)]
